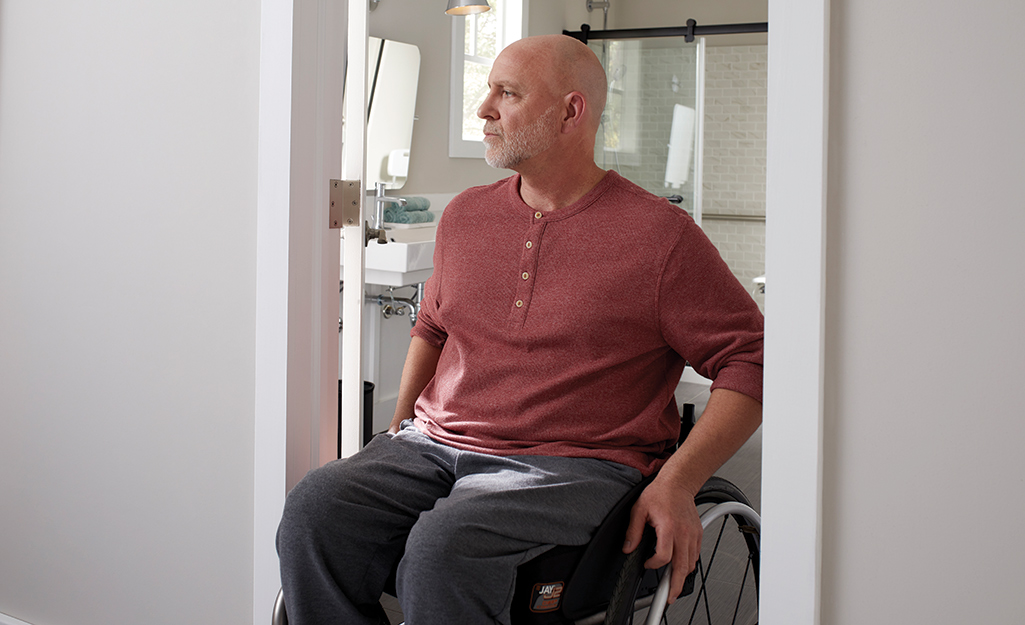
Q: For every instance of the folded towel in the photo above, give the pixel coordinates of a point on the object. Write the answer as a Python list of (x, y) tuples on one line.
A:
[(396, 215)]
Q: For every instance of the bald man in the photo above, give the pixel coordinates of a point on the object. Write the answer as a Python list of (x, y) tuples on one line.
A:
[(538, 387)]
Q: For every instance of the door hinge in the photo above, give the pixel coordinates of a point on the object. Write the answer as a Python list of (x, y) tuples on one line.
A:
[(346, 199)]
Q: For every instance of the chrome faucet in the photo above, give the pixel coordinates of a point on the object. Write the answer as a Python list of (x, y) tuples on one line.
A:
[(379, 201)]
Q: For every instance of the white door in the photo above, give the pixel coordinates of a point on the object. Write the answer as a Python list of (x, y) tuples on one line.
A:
[(303, 59)]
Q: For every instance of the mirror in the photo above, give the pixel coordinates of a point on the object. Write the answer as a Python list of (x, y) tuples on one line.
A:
[(394, 71)]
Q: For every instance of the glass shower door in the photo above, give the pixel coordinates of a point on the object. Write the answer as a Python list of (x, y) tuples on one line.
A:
[(651, 131)]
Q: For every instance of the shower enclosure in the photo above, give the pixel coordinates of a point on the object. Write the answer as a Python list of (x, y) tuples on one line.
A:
[(686, 119), (652, 129)]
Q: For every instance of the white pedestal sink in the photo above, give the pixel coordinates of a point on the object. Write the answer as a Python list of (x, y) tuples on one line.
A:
[(407, 258)]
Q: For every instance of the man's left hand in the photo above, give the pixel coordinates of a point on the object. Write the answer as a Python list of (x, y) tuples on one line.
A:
[(669, 509)]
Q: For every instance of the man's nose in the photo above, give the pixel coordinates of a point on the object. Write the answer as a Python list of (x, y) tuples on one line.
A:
[(486, 110)]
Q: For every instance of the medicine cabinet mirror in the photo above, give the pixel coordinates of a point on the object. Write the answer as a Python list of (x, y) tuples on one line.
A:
[(392, 77)]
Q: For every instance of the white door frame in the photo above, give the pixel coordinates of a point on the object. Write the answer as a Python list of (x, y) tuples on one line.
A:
[(354, 168), (795, 261), (271, 339), (795, 268), (302, 61)]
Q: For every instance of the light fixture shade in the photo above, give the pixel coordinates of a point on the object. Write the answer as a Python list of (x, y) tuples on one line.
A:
[(467, 7)]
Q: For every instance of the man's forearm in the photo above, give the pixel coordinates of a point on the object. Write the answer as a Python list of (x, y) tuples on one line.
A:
[(667, 504), (729, 419), (421, 363)]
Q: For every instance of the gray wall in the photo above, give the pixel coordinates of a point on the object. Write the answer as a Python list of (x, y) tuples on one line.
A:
[(127, 307), (924, 428)]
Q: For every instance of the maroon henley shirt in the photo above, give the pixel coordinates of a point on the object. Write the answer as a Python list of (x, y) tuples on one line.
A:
[(566, 332)]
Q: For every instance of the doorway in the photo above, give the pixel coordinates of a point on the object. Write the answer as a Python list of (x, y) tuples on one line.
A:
[(795, 252)]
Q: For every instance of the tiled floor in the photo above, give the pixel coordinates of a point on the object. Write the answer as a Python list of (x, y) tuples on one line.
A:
[(744, 470)]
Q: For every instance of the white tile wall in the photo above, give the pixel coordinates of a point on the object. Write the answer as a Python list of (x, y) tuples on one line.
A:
[(742, 246), (735, 112), (734, 164)]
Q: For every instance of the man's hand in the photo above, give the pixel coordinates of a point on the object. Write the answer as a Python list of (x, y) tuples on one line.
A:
[(670, 510), (667, 504)]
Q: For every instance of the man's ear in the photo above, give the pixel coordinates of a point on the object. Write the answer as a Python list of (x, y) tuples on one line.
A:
[(574, 112)]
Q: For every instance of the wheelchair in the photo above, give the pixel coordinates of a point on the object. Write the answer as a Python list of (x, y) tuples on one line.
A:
[(597, 583)]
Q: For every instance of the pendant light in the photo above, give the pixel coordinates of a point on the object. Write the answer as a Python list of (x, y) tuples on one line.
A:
[(467, 7)]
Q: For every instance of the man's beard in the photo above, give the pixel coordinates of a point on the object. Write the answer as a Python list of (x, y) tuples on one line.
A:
[(508, 150)]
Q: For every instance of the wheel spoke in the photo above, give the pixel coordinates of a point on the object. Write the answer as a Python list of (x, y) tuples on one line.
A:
[(740, 594), (702, 597)]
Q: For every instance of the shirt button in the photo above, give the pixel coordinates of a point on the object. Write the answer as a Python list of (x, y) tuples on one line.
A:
[(525, 275), (519, 303), (538, 215), (529, 245)]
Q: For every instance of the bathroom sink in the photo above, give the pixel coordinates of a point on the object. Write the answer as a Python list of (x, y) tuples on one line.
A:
[(411, 234), (407, 257)]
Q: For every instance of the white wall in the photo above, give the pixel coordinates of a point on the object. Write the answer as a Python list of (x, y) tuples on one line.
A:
[(924, 483), (128, 136)]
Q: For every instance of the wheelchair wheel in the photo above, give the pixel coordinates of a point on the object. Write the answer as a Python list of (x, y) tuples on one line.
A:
[(724, 586), (278, 617)]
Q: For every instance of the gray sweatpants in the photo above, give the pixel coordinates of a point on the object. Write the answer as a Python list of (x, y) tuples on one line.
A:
[(470, 518)]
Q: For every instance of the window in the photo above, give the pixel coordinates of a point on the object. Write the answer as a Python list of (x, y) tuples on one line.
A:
[(476, 41)]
